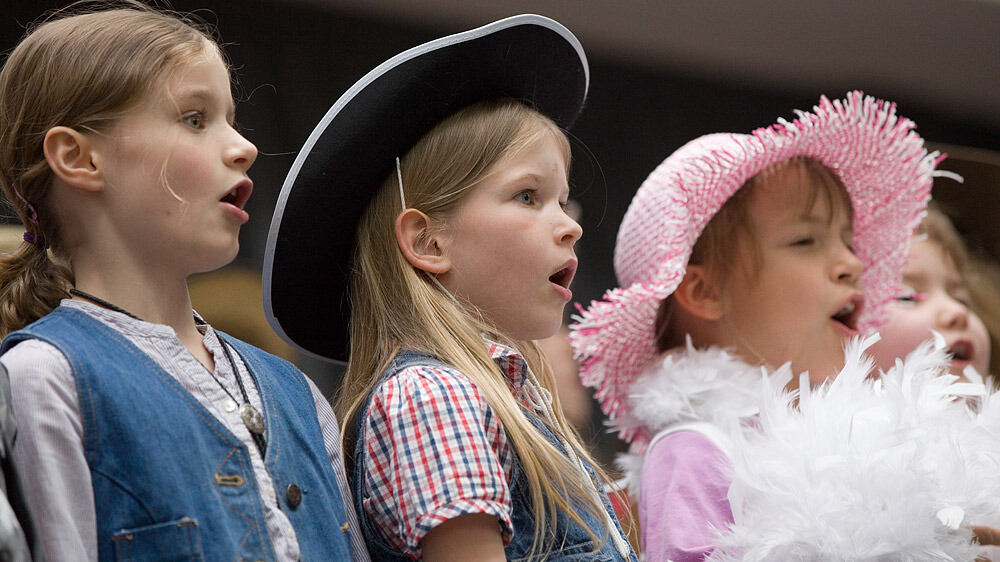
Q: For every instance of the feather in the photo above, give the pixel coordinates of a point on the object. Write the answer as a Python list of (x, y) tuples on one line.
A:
[(886, 468), (868, 466)]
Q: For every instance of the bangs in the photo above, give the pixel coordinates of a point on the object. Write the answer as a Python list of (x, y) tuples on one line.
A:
[(820, 182), (823, 184)]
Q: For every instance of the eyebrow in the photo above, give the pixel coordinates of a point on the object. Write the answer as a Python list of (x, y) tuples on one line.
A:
[(526, 176), (951, 282), (535, 178), (205, 94), (812, 218)]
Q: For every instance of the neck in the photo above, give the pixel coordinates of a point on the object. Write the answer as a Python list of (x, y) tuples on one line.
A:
[(153, 299)]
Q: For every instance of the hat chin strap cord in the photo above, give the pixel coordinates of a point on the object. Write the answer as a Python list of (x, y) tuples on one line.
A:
[(399, 175)]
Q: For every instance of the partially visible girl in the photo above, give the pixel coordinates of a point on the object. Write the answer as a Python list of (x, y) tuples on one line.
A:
[(445, 243), (766, 254), (937, 297), (146, 433)]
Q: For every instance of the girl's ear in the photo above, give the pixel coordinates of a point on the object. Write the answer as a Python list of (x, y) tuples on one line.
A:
[(419, 245), (70, 157), (698, 295)]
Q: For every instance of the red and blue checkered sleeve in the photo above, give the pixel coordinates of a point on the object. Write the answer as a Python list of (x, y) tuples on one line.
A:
[(435, 450)]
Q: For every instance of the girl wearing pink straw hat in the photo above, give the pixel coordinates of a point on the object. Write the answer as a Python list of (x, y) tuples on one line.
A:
[(744, 255)]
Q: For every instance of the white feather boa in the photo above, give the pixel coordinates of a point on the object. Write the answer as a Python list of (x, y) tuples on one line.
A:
[(861, 468)]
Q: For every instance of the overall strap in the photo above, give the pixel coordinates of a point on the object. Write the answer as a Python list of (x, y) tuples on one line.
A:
[(377, 546), (296, 456), (710, 431)]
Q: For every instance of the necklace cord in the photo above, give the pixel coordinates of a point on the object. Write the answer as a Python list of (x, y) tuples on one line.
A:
[(258, 437)]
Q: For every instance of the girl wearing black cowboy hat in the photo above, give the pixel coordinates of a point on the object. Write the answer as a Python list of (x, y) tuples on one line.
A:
[(421, 236)]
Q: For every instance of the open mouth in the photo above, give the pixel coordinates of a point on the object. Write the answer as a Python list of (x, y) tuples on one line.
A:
[(849, 313), (239, 194), (961, 350), (564, 276)]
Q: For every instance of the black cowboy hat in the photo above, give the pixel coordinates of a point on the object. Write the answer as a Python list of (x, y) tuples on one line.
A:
[(353, 150)]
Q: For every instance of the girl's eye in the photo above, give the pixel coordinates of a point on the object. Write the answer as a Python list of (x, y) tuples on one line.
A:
[(527, 197), (963, 298), (195, 120), (911, 298), (803, 241)]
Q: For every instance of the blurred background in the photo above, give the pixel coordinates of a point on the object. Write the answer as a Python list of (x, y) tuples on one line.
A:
[(662, 73)]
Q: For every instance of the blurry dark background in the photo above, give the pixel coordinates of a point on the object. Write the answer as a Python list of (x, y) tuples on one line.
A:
[(662, 73)]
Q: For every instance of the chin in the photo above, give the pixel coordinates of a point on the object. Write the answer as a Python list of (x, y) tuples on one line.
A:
[(539, 331), (219, 260)]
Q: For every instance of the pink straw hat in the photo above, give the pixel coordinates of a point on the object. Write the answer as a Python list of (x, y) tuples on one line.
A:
[(877, 155)]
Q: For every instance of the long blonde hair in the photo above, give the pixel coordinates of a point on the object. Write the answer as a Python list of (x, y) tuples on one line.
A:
[(81, 71), (395, 307)]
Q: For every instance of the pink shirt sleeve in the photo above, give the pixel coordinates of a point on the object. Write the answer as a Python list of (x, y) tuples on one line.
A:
[(682, 497)]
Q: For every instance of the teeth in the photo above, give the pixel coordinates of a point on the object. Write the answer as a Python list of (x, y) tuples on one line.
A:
[(559, 277), (848, 308)]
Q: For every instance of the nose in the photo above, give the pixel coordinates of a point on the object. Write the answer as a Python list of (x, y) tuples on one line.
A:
[(953, 314), (568, 231), (847, 267), (241, 153)]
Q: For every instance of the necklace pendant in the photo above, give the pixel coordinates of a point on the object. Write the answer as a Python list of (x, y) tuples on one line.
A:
[(252, 418)]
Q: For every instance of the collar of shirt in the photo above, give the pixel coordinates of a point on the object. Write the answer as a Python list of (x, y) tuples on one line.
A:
[(136, 326), (515, 367)]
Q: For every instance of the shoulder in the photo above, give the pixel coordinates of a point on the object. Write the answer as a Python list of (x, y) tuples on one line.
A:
[(248, 349), (263, 363), (682, 458), (684, 450), (706, 385), (35, 364), (435, 397), (42, 385), (429, 380)]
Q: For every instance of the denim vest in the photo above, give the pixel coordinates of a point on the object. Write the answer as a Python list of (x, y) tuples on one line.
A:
[(170, 481), (571, 542)]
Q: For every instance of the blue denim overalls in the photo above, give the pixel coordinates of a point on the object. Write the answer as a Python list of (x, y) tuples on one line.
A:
[(170, 481)]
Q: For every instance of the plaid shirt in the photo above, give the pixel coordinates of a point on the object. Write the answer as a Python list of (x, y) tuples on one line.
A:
[(434, 450)]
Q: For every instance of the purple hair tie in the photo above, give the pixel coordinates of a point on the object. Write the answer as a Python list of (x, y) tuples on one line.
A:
[(27, 236), (32, 239)]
